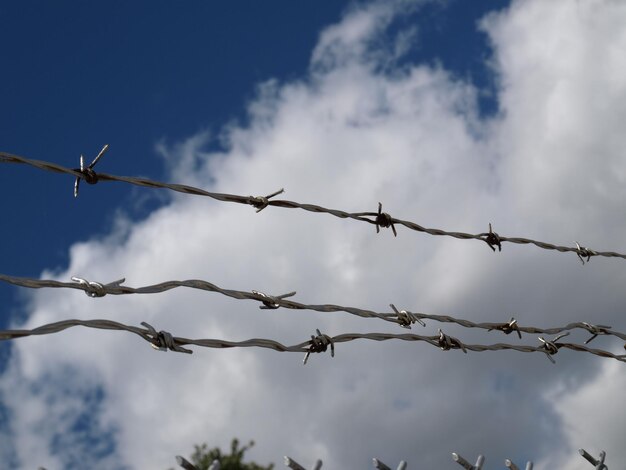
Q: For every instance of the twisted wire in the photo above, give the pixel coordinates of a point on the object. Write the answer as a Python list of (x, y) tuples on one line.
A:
[(379, 219), (402, 317), (314, 345)]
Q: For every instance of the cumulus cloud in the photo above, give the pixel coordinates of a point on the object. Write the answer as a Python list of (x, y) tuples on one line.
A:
[(348, 134)]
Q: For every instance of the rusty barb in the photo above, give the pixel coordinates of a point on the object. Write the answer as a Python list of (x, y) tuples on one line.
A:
[(87, 172)]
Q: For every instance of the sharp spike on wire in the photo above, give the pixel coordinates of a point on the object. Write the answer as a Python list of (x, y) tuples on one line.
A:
[(358, 216), (598, 463), (466, 465), (184, 463), (87, 173)]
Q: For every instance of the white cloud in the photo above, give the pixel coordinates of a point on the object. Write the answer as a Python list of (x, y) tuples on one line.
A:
[(350, 134)]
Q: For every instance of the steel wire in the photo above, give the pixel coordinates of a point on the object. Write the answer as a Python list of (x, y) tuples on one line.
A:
[(96, 289), (380, 219), (165, 341)]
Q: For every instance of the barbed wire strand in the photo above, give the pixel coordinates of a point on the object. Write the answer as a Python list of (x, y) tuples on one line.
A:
[(379, 218), (379, 465), (402, 317), (163, 340)]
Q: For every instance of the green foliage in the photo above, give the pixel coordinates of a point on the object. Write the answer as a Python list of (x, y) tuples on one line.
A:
[(203, 457)]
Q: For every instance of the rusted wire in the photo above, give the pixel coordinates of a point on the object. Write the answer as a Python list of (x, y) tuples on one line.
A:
[(317, 344), (402, 317), (379, 218)]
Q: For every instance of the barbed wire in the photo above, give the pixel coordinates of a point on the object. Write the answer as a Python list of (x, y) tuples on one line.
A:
[(378, 218), (164, 341), (403, 318), (379, 465), (597, 463)]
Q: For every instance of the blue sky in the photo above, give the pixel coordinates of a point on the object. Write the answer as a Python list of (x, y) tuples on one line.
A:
[(491, 112)]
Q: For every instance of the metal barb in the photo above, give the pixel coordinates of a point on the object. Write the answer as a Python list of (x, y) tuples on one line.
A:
[(381, 466), (261, 202), (595, 330), (466, 465), (87, 172), (598, 463), (508, 327), (184, 463), (492, 239), (291, 463), (406, 319), (551, 347), (448, 342), (319, 344), (271, 302), (582, 252), (96, 289), (164, 340), (384, 220), (509, 464)]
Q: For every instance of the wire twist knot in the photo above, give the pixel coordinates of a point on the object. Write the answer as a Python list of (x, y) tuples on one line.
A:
[(271, 302), (319, 344), (550, 348), (492, 239), (406, 319), (583, 252), (448, 342), (508, 327), (163, 340), (595, 330), (96, 289), (384, 220), (261, 202), (86, 172)]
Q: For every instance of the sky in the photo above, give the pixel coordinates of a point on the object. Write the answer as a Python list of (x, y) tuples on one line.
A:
[(452, 114)]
